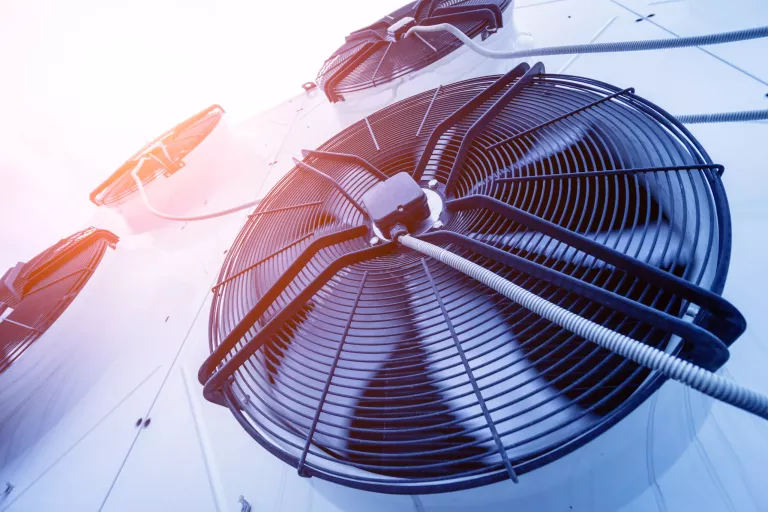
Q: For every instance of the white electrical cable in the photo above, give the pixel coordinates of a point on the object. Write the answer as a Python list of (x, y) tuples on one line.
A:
[(145, 199), (621, 46), (689, 374)]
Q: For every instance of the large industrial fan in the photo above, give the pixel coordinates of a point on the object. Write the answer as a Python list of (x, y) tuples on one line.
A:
[(34, 294), (379, 53), (178, 170), (362, 362)]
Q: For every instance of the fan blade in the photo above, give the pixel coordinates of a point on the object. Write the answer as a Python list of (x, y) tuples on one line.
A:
[(444, 153), (306, 348), (513, 390), (563, 362), (447, 407), (574, 366), (546, 155), (663, 247), (404, 408)]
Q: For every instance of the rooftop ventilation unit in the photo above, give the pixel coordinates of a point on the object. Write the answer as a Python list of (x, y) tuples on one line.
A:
[(178, 169), (361, 362), (34, 294), (379, 53)]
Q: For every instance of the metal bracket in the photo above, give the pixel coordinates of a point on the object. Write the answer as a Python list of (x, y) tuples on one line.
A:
[(159, 153)]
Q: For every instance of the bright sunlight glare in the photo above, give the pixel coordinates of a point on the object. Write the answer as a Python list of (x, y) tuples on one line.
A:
[(87, 82)]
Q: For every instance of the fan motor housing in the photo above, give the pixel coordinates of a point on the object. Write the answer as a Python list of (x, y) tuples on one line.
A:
[(397, 30), (398, 200)]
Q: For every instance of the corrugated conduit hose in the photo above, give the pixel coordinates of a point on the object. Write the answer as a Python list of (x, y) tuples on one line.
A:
[(725, 117), (620, 46), (624, 46), (677, 369)]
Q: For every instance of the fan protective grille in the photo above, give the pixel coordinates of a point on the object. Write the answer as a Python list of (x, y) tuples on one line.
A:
[(376, 368), (368, 58), (47, 284), (162, 156)]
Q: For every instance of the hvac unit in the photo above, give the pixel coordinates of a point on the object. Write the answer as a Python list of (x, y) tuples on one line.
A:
[(178, 171), (380, 63), (365, 363), (470, 297), (34, 294)]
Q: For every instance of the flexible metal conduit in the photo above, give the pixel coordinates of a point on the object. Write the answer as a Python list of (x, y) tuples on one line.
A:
[(691, 375), (725, 117), (619, 46), (625, 46)]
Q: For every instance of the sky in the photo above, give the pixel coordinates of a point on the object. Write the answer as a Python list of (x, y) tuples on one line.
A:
[(86, 83)]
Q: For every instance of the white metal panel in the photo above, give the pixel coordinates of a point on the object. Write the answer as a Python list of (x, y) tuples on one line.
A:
[(238, 466), (139, 308), (564, 22), (76, 474), (681, 81), (127, 324), (184, 483), (691, 17)]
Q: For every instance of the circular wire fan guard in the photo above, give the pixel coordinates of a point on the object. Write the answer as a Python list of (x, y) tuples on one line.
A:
[(44, 288), (371, 57), (373, 367), (163, 156)]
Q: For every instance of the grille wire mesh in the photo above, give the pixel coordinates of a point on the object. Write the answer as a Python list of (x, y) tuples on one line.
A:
[(48, 284), (177, 143), (380, 61), (338, 357)]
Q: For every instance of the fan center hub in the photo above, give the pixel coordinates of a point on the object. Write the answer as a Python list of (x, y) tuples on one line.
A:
[(400, 200)]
